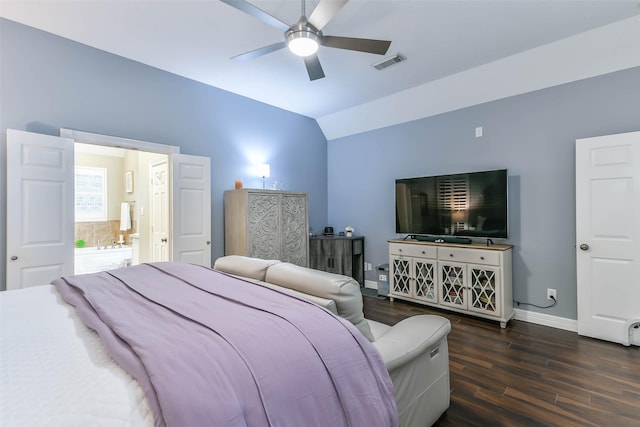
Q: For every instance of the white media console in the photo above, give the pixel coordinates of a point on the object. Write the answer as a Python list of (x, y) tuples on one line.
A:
[(467, 278)]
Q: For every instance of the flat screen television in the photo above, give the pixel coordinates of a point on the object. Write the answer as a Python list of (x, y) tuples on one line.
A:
[(465, 204)]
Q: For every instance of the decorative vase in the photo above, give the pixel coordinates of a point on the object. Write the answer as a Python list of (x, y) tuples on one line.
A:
[(349, 233)]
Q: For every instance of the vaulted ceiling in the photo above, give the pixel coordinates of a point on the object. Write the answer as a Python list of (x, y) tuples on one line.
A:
[(196, 39)]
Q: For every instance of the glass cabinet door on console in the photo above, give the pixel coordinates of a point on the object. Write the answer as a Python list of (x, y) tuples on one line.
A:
[(470, 287), (484, 290), (401, 272), (414, 278), (413, 272), (424, 273), (453, 284)]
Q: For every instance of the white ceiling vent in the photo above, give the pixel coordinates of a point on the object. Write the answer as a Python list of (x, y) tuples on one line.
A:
[(389, 62)]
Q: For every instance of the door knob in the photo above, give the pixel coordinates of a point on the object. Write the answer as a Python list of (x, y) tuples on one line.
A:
[(208, 242), (584, 247), (13, 258)]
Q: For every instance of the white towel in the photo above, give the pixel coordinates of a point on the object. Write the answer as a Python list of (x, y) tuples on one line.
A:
[(125, 216)]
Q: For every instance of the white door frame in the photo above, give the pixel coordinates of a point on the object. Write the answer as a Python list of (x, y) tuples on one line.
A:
[(176, 249), (38, 275), (116, 141), (119, 142)]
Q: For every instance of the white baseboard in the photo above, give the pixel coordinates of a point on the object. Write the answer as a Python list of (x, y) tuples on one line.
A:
[(524, 315), (370, 284), (546, 320)]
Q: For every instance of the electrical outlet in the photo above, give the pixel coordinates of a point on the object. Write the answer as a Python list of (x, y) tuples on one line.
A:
[(551, 294)]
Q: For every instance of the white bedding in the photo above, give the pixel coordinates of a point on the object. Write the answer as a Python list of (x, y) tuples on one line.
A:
[(54, 371)]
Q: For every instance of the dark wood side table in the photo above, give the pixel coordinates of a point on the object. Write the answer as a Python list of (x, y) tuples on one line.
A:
[(338, 254)]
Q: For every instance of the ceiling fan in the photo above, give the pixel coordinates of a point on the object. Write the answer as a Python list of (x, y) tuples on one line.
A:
[(305, 36)]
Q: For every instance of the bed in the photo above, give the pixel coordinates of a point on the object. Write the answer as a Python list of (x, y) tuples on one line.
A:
[(178, 344)]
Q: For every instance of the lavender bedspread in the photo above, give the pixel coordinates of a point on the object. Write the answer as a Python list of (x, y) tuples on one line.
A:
[(214, 350)]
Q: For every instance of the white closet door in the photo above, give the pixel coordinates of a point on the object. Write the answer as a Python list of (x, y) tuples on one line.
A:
[(191, 192), (40, 205), (608, 237)]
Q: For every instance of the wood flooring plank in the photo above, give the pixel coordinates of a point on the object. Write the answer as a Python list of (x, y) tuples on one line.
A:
[(621, 406), (598, 416), (481, 413), (471, 360), (593, 383), (548, 413), (528, 374)]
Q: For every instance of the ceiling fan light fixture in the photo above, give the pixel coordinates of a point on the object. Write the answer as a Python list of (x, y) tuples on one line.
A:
[(303, 43)]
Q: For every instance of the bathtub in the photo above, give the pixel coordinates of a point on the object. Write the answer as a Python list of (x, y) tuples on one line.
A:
[(91, 260)]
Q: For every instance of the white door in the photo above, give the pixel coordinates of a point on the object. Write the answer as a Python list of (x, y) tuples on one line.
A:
[(608, 237), (160, 211), (40, 204), (191, 192)]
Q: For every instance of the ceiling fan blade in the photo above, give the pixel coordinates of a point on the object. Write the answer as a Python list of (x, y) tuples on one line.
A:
[(259, 52), (260, 14), (324, 12), (379, 47), (314, 69)]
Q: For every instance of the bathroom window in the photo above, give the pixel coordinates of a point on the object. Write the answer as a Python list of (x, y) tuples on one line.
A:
[(91, 194)]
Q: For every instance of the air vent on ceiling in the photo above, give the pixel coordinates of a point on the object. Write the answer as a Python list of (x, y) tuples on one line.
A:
[(389, 62)]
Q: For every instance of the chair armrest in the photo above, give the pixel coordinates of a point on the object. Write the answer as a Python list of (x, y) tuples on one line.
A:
[(411, 337), (252, 268), (322, 302)]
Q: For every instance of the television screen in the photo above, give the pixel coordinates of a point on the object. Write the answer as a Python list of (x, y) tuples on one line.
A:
[(466, 204)]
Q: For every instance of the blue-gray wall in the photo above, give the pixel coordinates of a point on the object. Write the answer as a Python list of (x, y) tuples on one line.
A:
[(533, 135), (47, 82)]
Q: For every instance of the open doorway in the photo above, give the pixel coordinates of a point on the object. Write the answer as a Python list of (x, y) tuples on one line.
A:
[(40, 190), (117, 211)]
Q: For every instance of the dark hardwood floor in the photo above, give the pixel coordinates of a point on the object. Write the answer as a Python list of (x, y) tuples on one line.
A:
[(529, 375)]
